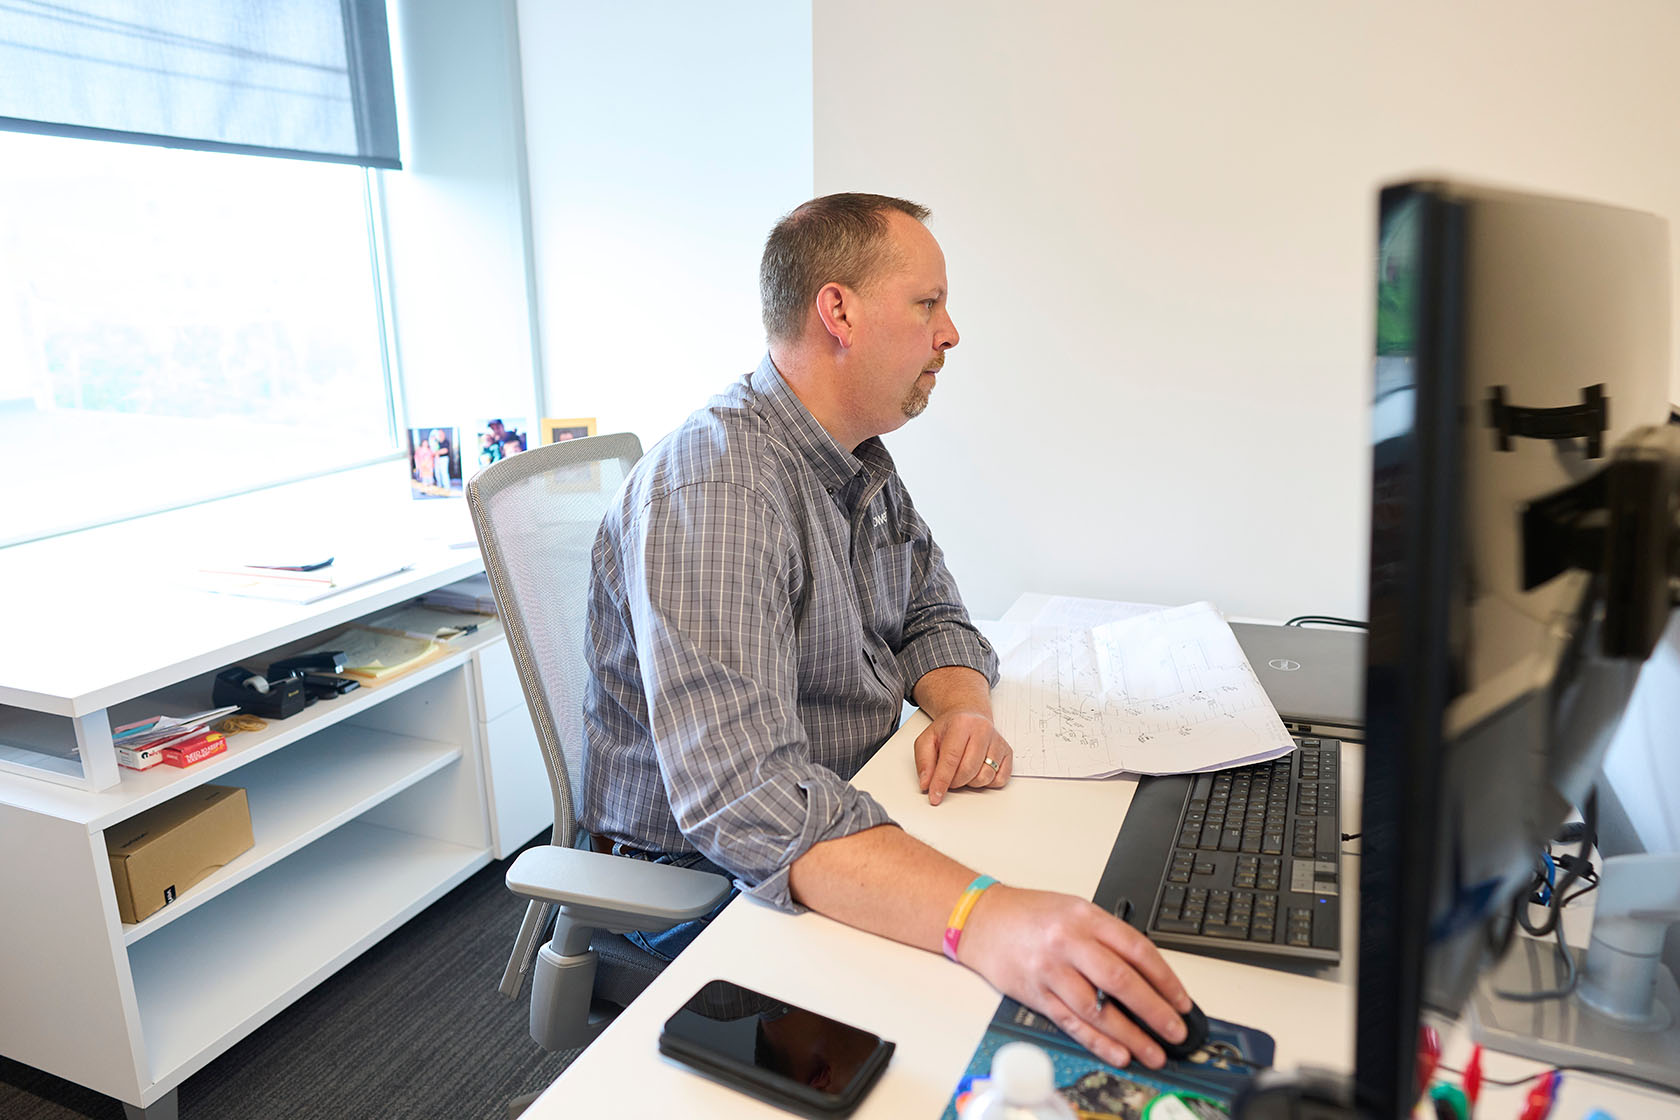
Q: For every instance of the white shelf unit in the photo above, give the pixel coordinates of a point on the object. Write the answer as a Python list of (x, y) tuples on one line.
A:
[(297, 797), (274, 937), (365, 809)]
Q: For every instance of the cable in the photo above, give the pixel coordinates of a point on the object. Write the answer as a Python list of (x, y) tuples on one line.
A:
[(1562, 991), (1589, 817), (1617, 1074), (1327, 620), (1593, 886)]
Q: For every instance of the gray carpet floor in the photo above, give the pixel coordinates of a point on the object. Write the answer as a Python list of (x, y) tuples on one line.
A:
[(413, 1028)]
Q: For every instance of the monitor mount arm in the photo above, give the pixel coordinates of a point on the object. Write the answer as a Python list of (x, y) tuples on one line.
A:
[(1588, 420), (1622, 523)]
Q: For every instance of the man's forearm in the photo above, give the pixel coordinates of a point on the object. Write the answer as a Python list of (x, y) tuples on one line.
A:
[(1055, 953), (953, 688), (883, 881)]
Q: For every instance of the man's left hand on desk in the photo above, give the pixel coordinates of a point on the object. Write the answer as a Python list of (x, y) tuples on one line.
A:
[(962, 749)]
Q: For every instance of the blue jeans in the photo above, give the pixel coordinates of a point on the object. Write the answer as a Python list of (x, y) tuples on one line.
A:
[(668, 944)]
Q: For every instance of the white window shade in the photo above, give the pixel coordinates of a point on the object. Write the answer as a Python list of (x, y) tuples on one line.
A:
[(308, 79)]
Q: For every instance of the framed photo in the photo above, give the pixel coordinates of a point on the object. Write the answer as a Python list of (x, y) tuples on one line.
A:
[(553, 430), (494, 439), (434, 462), (557, 431)]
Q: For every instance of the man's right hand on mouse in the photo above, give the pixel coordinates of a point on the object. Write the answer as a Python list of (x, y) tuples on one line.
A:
[(1059, 954)]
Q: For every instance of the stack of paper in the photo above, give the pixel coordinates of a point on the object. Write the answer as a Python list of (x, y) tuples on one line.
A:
[(378, 654), (470, 594), (1152, 692), (290, 586), (177, 740), (438, 624), (159, 730)]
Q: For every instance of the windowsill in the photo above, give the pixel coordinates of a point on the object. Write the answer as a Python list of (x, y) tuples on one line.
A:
[(68, 470)]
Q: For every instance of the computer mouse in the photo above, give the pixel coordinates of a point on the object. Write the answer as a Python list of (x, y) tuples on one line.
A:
[(1195, 1032)]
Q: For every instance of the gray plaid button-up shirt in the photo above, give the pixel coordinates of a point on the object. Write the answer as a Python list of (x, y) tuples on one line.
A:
[(762, 603)]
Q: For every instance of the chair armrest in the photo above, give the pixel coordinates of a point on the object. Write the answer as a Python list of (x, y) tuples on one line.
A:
[(614, 892)]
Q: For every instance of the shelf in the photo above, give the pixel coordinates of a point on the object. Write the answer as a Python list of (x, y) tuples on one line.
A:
[(141, 789), (297, 797), (60, 671), (205, 982), (50, 764)]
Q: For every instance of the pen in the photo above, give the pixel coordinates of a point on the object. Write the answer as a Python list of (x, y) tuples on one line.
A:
[(1429, 1056), (1542, 1097), (1472, 1080)]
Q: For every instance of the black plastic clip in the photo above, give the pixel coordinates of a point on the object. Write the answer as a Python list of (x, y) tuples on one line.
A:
[(1588, 420)]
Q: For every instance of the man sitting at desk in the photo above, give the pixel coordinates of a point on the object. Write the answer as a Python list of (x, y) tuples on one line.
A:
[(765, 596)]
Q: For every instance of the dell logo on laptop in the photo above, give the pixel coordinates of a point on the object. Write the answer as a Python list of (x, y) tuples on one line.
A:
[(1284, 665)]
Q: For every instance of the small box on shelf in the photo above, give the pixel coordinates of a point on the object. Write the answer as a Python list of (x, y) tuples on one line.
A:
[(157, 854)]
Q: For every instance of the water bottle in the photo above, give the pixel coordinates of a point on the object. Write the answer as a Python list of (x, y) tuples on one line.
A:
[(1023, 1087)]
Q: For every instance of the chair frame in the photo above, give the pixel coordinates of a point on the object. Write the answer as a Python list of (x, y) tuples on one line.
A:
[(582, 891)]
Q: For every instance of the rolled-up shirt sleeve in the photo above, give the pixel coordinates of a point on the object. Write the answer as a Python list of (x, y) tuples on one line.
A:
[(937, 629), (715, 637)]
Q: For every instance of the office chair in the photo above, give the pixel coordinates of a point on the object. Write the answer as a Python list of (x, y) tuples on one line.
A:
[(536, 514)]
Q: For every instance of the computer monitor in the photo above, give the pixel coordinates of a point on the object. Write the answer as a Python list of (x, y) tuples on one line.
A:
[(1522, 346)]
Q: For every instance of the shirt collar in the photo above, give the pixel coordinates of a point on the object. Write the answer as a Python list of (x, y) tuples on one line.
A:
[(833, 464)]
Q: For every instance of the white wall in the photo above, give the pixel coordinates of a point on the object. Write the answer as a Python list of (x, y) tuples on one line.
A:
[(1158, 220), (455, 214), (665, 138)]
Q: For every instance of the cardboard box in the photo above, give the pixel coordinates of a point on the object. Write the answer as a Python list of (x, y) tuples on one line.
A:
[(160, 853)]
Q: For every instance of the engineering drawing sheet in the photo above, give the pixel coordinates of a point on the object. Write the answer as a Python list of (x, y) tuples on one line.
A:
[(1164, 692)]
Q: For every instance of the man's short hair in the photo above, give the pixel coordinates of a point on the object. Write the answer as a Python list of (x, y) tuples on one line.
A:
[(839, 238)]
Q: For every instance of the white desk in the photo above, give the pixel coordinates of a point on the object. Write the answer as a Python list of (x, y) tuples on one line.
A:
[(1045, 833)]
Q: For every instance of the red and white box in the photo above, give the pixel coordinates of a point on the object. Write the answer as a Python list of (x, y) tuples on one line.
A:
[(142, 758), (196, 749)]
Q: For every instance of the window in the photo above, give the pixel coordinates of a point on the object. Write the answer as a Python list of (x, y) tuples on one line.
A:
[(180, 325)]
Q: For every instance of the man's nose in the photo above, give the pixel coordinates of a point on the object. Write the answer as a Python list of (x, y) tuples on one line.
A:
[(947, 337)]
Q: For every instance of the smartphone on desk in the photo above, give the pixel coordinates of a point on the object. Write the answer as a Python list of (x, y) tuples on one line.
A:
[(784, 1055)]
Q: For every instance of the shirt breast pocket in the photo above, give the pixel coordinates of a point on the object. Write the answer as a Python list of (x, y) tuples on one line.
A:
[(892, 579)]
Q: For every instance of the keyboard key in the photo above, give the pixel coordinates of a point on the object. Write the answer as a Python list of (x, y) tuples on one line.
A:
[(1178, 925)]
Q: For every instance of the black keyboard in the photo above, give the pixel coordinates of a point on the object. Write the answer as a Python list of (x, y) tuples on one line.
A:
[(1243, 862)]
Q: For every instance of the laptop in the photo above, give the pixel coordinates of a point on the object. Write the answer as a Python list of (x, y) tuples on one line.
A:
[(1315, 676)]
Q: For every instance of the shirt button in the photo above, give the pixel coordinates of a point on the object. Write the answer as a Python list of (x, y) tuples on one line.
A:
[(831, 489)]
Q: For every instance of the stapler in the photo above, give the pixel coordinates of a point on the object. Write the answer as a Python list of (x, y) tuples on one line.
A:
[(312, 671)]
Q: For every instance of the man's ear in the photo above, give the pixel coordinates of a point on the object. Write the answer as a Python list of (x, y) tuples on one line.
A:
[(836, 307)]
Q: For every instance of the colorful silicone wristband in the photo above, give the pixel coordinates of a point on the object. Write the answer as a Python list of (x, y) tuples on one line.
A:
[(960, 912)]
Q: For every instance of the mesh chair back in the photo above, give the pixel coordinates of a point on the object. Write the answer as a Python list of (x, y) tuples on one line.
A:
[(536, 515)]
